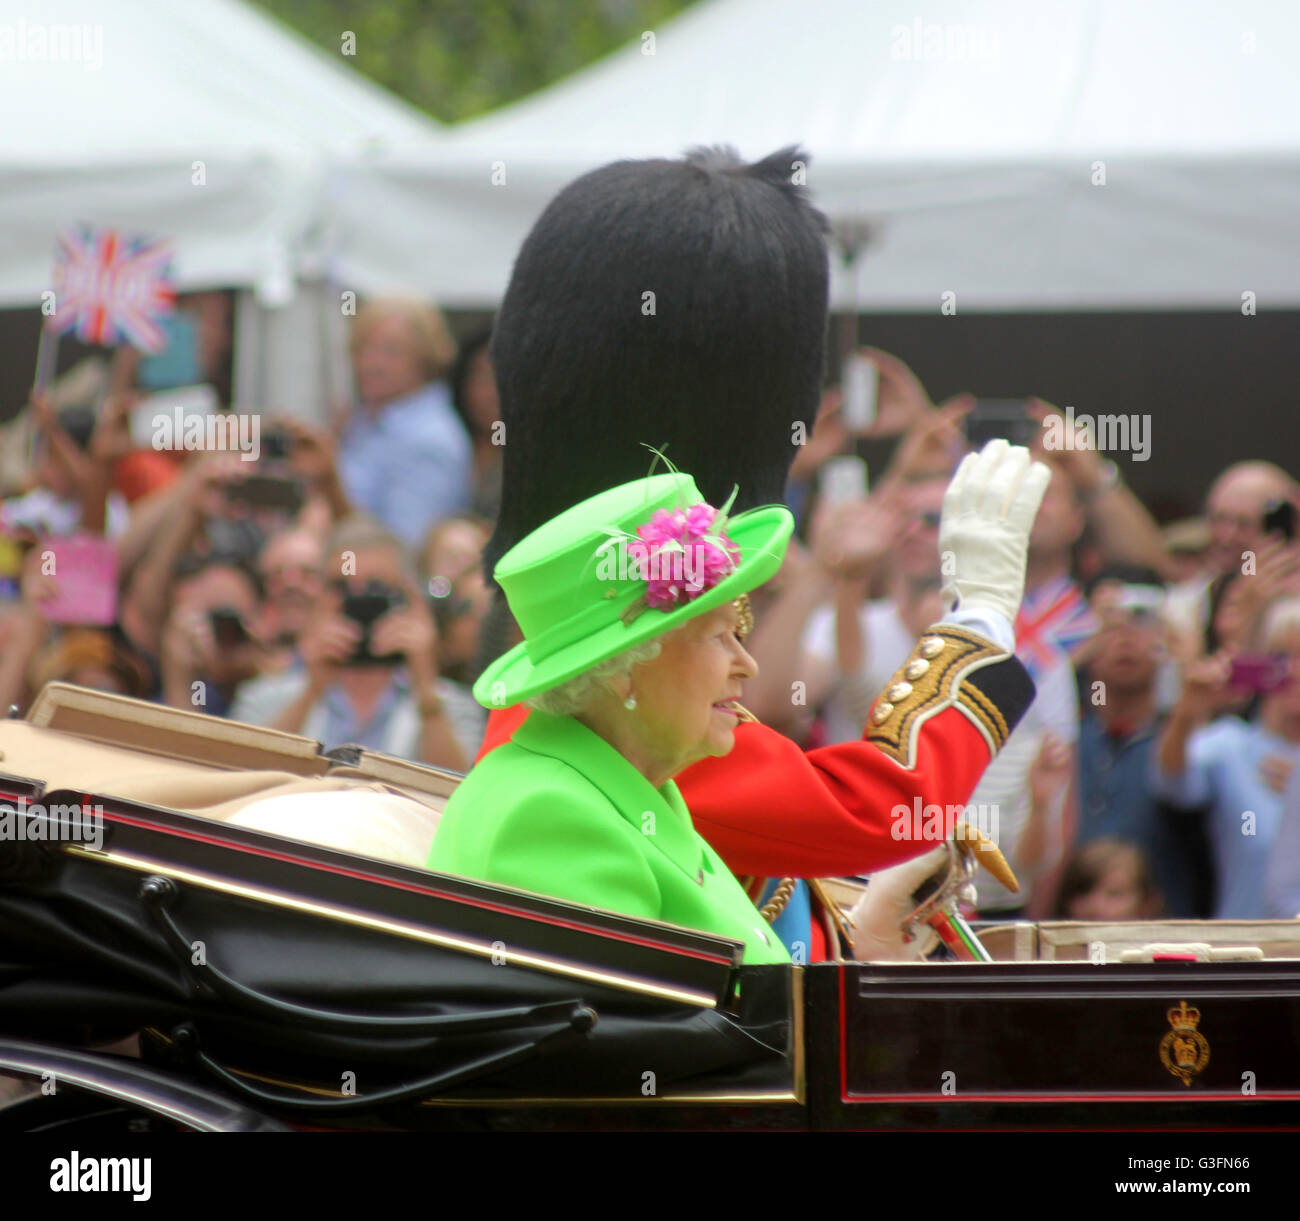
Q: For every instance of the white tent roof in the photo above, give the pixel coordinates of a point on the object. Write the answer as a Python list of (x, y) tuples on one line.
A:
[(971, 143), (109, 104)]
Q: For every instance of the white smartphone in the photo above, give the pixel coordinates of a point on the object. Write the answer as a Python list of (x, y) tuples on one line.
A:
[(842, 479), (859, 382)]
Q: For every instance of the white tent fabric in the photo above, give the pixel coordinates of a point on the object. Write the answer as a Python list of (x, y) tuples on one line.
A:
[(205, 122), (109, 104), (1019, 155)]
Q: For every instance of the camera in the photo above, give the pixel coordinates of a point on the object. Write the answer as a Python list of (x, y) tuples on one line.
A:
[(228, 630), (1280, 519), (277, 445), (365, 609)]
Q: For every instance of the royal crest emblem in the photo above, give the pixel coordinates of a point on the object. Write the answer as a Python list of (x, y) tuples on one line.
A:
[(1184, 1051)]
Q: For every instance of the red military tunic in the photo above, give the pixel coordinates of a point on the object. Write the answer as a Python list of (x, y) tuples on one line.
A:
[(773, 810)]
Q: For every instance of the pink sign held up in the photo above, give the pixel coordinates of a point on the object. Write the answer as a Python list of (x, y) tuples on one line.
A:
[(85, 574)]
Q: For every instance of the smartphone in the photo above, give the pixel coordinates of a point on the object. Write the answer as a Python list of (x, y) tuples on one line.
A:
[(268, 492), (842, 479), (1280, 519), (228, 630), (859, 382), (990, 419), (1260, 672), (178, 362)]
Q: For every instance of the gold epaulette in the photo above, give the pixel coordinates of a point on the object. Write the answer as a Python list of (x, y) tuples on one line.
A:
[(937, 676)]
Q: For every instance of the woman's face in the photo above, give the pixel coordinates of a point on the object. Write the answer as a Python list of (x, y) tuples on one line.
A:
[(684, 696)]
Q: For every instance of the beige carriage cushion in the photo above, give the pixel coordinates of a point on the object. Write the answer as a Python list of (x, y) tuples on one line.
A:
[(389, 826), (395, 821)]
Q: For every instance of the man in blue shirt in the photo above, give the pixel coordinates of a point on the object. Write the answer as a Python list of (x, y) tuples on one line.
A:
[(1117, 732), (404, 455), (1234, 766)]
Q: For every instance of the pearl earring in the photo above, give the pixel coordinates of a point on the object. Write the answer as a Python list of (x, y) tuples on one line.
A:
[(630, 702)]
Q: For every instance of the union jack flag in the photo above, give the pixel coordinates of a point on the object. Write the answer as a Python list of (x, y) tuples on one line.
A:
[(1053, 619), (112, 287)]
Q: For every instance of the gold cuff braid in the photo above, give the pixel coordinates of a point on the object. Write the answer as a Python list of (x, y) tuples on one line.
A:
[(931, 681)]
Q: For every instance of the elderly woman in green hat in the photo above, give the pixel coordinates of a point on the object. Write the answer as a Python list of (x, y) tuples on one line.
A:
[(633, 662)]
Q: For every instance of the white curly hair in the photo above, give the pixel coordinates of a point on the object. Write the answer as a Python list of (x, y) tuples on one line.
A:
[(573, 696)]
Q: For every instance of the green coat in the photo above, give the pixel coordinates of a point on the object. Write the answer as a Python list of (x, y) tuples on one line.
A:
[(559, 811)]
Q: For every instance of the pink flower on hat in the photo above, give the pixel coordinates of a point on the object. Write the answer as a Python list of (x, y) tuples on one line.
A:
[(681, 556)]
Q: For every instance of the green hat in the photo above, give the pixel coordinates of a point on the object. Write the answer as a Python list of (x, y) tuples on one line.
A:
[(578, 585)]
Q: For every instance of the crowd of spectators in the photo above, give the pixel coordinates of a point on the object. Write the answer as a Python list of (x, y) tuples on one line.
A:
[(323, 581), (1154, 774), (333, 588)]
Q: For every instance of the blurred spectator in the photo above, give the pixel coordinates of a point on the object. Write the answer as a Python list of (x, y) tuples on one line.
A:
[(1028, 786), (1107, 881), (474, 395), (451, 565), (90, 658), (459, 617), (824, 593), (1234, 508), (851, 647), (1239, 769), (1030, 782), (69, 490), (901, 402), (23, 630), (208, 644), (1120, 529), (194, 517), (452, 548), (404, 454), (1187, 542), (313, 459), (1117, 735), (1054, 616), (368, 671), (1282, 881), (290, 567)]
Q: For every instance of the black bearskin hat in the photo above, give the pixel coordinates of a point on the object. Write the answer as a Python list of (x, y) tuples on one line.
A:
[(679, 304)]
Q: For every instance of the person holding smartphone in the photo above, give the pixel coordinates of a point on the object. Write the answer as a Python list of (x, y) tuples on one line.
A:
[(1240, 769)]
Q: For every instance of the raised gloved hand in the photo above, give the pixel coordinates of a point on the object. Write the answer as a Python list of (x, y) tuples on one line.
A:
[(988, 511), (877, 918)]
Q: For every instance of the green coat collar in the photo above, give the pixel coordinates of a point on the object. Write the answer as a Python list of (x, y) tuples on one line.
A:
[(659, 814)]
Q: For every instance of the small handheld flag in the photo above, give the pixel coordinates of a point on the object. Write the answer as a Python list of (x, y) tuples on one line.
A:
[(112, 287)]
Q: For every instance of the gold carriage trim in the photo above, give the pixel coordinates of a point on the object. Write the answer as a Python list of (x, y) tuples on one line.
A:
[(931, 681)]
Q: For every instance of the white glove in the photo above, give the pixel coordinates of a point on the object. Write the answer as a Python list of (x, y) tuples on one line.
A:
[(878, 916), (988, 511)]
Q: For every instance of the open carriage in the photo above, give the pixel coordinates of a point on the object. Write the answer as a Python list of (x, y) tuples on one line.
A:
[(164, 962)]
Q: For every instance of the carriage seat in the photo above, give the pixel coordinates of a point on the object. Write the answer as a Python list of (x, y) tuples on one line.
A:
[(106, 745)]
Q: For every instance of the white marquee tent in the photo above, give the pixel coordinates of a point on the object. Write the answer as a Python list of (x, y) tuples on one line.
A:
[(1078, 154), (203, 121)]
